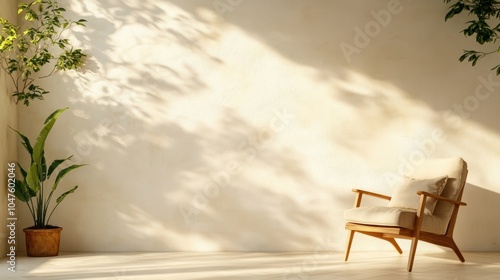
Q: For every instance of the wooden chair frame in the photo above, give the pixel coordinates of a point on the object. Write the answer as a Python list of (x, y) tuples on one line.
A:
[(390, 233)]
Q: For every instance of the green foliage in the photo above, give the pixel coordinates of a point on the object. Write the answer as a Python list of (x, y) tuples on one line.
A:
[(31, 188), (24, 53), (484, 26)]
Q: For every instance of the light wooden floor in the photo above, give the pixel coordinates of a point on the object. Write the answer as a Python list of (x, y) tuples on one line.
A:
[(255, 266)]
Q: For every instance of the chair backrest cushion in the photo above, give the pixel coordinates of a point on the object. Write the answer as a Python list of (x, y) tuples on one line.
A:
[(456, 170), (404, 196)]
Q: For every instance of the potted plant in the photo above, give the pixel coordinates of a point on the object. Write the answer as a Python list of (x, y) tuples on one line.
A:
[(37, 49), (42, 239), (29, 52)]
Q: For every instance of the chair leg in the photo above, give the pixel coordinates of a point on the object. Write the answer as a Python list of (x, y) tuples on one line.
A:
[(388, 239), (455, 249), (350, 236), (413, 250), (395, 244)]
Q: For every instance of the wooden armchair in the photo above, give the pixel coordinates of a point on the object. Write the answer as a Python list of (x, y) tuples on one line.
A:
[(430, 225)]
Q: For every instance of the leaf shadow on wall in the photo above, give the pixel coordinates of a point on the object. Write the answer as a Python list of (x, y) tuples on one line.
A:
[(119, 133), (117, 138), (407, 78), (125, 143)]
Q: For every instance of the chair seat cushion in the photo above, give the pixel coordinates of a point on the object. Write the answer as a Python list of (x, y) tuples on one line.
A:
[(394, 217), (381, 216)]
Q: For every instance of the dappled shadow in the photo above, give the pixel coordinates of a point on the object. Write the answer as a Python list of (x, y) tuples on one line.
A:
[(168, 206), (396, 65), (158, 112)]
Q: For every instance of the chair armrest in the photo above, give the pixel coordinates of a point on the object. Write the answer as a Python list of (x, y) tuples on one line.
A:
[(372, 194), (456, 202)]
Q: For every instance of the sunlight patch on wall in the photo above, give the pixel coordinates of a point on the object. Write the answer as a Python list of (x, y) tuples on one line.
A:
[(241, 134)]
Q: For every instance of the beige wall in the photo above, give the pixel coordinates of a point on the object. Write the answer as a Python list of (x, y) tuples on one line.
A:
[(243, 125), (8, 150)]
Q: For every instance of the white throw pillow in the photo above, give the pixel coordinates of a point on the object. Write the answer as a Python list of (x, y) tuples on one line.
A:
[(405, 195)]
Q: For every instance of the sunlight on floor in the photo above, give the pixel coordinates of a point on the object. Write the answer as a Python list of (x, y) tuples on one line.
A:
[(324, 265)]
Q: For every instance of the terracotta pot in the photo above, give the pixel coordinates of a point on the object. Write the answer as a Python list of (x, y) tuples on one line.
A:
[(42, 242)]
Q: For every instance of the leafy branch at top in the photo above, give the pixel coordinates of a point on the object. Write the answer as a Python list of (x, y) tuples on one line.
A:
[(39, 45), (485, 26)]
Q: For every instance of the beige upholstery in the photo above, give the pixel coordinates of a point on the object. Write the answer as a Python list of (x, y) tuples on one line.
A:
[(453, 167), (437, 222), (388, 223), (404, 196), (382, 216), (397, 217)]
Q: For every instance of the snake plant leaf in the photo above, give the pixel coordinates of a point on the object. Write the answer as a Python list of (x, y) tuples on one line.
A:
[(63, 173), (63, 196), (56, 164), (42, 136)]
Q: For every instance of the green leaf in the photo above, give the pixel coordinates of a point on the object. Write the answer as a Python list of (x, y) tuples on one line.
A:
[(72, 59), (23, 172), (480, 39), (497, 69), (64, 172), (81, 22), (463, 57), (32, 178), (63, 196), (455, 9), (474, 61), (55, 115), (43, 174), (21, 191), (26, 142), (21, 8), (449, 15), (56, 164), (42, 136)]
